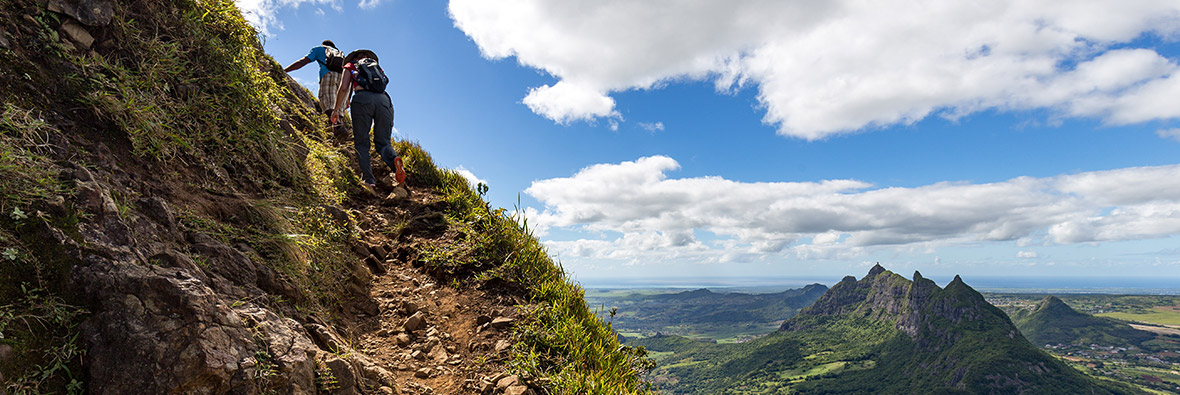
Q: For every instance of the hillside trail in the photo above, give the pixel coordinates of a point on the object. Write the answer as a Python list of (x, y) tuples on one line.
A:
[(433, 336)]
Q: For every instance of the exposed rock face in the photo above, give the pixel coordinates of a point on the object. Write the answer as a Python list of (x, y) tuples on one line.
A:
[(89, 12), (941, 332), (161, 323), (910, 305)]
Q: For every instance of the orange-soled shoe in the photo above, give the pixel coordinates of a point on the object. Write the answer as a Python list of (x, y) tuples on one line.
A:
[(399, 171)]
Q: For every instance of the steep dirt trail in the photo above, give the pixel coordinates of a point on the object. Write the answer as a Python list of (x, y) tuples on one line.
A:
[(433, 337)]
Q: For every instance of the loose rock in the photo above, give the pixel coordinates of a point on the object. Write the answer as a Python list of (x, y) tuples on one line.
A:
[(375, 265), (508, 381), (438, 354), (518, 390), (502, 322), (415, 322), (423, 373), (379, 251), (89, 12), (360, 250), (5, 354), (502, 345)]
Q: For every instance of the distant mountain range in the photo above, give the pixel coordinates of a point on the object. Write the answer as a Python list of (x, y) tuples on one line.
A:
[(703, 306), (881, 334), (1053, 322), (703, 313)]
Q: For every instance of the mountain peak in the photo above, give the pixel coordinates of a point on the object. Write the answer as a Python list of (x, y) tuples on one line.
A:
[(877, 269), (908, 305), (1054, 304)]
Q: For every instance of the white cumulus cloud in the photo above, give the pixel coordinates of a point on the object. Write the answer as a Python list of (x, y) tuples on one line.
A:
[(1173, 134), (658, 215), (471, 178), (652, 126), (828, 67), (261, 13)]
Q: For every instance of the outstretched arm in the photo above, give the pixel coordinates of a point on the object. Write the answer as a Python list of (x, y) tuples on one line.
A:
[(342, 94), (297, 65)]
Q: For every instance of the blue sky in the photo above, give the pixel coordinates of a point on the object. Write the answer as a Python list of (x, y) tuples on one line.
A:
[(792, 139)]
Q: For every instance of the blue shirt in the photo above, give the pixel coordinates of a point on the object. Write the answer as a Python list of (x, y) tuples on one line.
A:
[(320, 55)]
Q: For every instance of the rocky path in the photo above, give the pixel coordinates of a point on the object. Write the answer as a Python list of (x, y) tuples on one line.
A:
[(431, 338)]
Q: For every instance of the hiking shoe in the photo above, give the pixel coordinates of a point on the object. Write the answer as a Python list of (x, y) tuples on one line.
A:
[(398, 171)]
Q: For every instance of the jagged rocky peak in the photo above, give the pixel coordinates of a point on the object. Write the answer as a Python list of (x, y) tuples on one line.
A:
[(887, 296), (877, 269)]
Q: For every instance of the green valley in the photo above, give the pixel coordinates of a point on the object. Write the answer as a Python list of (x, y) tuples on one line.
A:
[(726, 317)]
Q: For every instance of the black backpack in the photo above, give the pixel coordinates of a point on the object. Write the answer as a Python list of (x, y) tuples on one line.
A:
[(335, 61), (370, 76)]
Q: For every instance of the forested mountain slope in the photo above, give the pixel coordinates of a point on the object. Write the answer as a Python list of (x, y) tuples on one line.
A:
[(1053, 322)]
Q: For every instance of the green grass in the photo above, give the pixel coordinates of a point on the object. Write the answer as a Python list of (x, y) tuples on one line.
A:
[(41, 330), (827, 368), (1157, 315)]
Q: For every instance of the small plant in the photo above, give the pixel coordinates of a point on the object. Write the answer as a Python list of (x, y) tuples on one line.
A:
[(42, 330), (325, 380)]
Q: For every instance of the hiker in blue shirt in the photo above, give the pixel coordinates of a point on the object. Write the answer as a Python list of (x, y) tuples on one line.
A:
[(331, 61)]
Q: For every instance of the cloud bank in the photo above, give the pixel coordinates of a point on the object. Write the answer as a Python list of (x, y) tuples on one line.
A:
[(823, 68), (642, 213), (261, 13)]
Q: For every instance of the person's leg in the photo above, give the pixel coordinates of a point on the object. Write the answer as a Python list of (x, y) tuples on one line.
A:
[(327, 94), (362, 120), (383, 129), (328, 86)]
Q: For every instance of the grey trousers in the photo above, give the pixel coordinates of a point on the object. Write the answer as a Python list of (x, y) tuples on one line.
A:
[(375, 111)]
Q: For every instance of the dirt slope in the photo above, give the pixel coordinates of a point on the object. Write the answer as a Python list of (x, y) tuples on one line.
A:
[(461, 343)]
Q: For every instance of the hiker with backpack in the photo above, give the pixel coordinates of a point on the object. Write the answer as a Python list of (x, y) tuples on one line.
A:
[(371, 109), (331, 62)]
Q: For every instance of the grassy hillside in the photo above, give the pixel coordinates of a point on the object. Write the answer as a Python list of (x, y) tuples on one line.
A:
[(171, 109), (1053, 322), (776, 363)]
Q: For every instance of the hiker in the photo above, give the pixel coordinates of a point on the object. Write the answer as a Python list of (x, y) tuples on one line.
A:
[(331, 62), (371, 108)]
